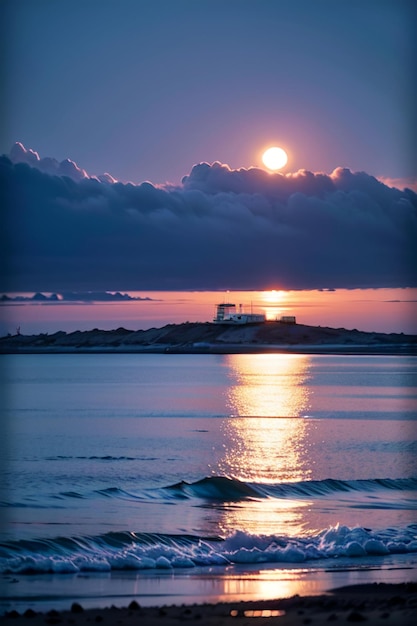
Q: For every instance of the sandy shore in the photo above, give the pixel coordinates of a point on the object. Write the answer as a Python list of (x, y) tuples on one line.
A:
[(377, 603)]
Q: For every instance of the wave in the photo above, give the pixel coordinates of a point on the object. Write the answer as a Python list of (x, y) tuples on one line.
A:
[(136, 551), (229, 489), (223, 489), (216, 488)]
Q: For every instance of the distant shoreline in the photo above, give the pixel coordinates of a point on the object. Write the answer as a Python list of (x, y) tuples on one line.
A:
[(210, 338)]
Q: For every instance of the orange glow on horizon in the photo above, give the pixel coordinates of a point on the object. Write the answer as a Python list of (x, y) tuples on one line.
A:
[(274, 300), (373, 310), (274, 296)]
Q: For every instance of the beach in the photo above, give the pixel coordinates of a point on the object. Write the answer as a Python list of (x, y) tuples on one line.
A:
[(375, 604)]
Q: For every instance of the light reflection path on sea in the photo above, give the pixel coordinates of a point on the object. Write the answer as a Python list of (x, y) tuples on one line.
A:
[(259, 448), (270, 439), (265, 440), (268, 385)]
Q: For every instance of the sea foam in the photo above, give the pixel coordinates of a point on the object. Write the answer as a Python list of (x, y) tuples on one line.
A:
[(135, 551)]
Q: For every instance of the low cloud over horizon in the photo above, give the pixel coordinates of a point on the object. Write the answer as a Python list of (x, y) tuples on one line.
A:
[(77, 297), (219, 229)]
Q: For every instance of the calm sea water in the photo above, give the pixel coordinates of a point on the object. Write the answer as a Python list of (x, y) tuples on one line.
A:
[(144, 462)]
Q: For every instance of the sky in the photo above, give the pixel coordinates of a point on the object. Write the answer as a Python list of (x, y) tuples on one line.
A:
[(134, 133), (144, 89)]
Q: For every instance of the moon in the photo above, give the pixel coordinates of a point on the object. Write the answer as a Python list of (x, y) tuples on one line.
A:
[(274, 158)]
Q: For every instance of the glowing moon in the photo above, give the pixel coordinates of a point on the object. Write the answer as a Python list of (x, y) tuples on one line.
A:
[(274, 158)]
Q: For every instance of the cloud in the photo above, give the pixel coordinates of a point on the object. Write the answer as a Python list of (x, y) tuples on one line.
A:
[(219, 229), (71, 296), (400, 183), (19, 154)]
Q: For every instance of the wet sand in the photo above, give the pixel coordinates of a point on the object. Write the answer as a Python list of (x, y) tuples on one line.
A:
[(378, 603)]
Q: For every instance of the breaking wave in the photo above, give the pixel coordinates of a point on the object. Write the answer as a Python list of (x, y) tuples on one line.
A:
[(137, 551)]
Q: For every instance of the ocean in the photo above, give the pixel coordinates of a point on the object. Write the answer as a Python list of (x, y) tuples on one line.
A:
[(168, 478)]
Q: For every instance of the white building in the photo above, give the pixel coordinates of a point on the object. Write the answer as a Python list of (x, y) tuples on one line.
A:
[(226, 314)]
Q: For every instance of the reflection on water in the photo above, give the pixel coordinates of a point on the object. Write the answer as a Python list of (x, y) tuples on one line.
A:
[(266, 584), (266, 441), (267, 517), (268, 385), (266, 450), (258, 448)]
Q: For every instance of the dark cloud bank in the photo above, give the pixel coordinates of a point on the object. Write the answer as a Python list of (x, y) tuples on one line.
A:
[(70, 296), (219, 229)]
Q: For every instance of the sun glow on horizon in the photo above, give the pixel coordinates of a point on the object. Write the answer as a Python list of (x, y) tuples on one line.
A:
[(274, 303), (273, 296)]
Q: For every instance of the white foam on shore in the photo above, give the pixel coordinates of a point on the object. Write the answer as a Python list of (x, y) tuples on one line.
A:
[(218, 584)]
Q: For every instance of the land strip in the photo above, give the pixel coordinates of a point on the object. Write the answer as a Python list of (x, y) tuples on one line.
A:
[(191, 338)]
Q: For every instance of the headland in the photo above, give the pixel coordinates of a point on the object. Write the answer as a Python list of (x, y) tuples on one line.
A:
[(215, 338)]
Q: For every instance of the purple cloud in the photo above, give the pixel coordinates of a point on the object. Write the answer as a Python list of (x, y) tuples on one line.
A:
[(19, 154), (219, 229)]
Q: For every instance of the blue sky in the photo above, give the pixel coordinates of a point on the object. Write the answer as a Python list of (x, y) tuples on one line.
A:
[(187, 94), (146, 89)]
